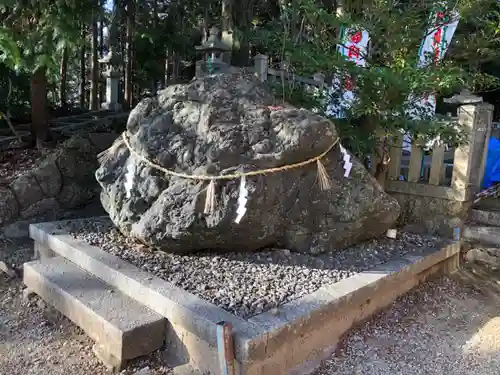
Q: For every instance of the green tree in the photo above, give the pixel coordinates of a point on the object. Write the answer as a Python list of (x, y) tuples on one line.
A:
[(33, 38), (306, 35)]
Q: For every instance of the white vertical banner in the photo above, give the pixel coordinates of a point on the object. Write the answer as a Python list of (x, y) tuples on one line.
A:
[(354, 47), (432, 49), (437, 38)]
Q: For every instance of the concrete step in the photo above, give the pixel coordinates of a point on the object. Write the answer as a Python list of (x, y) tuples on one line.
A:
[(122, 328), (489, 203), (482, 234), (489, 256), (485, 217)]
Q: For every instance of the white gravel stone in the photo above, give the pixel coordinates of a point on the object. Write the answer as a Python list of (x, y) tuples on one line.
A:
[(143, 371), (247, 283)]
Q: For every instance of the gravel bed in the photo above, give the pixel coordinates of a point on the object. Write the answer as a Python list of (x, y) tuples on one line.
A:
[(441, 327), (15, 252), (247, 284)]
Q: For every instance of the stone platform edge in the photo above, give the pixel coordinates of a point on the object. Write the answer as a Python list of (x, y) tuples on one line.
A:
[(294, 340)]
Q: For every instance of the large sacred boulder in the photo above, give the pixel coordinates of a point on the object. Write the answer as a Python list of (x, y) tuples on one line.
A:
[(156, 183)]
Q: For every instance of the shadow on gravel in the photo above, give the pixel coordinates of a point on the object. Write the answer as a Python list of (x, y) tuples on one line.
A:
[(446, 326)]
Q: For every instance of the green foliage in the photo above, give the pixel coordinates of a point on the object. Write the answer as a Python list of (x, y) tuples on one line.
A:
[(172, 30), (41, 29), (10, 54), (306, 36), (304, 33), (32, 37), (14, 86)]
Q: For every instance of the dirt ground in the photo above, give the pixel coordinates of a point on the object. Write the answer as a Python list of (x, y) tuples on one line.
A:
[(449, 326), (37, 340)]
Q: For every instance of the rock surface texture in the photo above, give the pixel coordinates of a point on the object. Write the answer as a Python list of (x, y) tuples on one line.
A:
[(63, 180), (223, 124)]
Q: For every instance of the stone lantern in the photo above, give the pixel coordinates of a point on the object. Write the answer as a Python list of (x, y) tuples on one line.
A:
[(213, 50), (112, 62), (465, 97)]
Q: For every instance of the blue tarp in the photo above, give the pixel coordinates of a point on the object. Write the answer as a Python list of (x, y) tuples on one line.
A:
[(492, 170)]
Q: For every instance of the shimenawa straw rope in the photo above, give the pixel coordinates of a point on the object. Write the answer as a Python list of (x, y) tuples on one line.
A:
[(323, 178)]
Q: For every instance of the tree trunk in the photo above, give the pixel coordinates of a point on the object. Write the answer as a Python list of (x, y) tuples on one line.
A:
[(94, 83), (102, 84), (6, 115), (329, 5), (83, 75), (166, 68), (242, 12), (39, 117), (123, 70), (63, 73), (227, 27), (155, 24), (174, 75), (206, 20), (128, 72), (383, 163)]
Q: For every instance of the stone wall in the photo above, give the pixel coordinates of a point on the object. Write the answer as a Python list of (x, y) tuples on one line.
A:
[(431, 214), (64, 180)]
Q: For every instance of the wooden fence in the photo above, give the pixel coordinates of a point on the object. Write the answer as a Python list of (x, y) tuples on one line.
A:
[(454, 174)]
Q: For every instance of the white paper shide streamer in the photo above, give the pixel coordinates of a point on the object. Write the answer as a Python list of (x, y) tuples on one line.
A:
[(129, 178), (242, 200), (347, 161)]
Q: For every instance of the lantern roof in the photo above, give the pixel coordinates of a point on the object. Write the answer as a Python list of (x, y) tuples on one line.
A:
[(213, 42)]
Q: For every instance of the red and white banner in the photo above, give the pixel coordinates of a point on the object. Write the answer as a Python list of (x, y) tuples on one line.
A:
[(432, 50), (354, 47)]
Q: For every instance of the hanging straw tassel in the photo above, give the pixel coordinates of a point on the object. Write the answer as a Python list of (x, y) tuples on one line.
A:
[(210, 199), (106, 154), (323, 179)]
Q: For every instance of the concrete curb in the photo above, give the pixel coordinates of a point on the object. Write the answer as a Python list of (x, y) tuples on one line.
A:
[(303, 332)]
